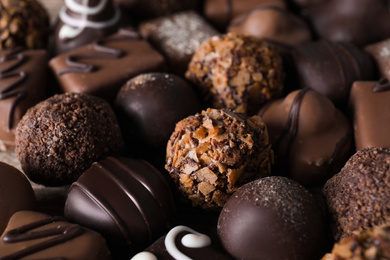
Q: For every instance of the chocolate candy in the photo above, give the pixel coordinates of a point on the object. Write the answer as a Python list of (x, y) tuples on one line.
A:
[(358, 196), (177, 37), (237, 72), (15, 193), (380, 52), (101, 68), (60, 137), (182, 242), (23, 83), (330, 68), (367, 103), (211, 154), (148, 108), (23, 23), (271, 218), (272, 23), (128, 201), (34, 235), (310, 136)]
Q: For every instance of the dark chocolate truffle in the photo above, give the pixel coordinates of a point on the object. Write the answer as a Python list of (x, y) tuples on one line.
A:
[(237, 72), (23, 23), (358, 197), (126, 200), (60, 137), (150, 105), (380, 52), (34, 235), (211, 154), (272, 218)]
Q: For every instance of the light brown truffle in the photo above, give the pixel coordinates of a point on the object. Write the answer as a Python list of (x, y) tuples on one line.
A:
[(211, 154), (237, 72)]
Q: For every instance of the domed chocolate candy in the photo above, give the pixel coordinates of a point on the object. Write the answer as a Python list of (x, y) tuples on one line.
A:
[(311, 138), (272, 218), (211, 154), (126, 200)]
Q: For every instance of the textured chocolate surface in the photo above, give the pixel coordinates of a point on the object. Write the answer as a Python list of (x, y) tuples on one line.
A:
[(15, 193), (271, 218), (23, 83), (272, 23), (237, 72), (358, 196), (82, 22), (177, 37), (380, 52), (371, 121), (310, 136), (148, 108), (101, 68), (60, 137), (211, 154), (128, 201), (33, 235)]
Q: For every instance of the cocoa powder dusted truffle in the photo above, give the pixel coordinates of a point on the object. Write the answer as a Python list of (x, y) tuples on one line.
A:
[(358, 197), (60, 137), (211, 154), (237, 72), (23, 23)]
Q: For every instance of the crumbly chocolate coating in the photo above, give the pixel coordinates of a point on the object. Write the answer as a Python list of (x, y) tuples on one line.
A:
[(211, 154), (60, 137), (237, 72), (370, 244), (358, 197), (23, 23)]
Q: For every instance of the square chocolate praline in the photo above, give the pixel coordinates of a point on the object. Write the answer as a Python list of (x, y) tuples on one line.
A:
[(108, 73)]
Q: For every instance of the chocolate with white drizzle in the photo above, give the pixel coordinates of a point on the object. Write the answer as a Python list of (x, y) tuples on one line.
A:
[(23, 83), (83, 21)]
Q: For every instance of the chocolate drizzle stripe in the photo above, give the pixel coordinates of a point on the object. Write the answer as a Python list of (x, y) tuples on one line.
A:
[(339, 63), (382, 85), (57, 235), (358, 72), (259, 9)]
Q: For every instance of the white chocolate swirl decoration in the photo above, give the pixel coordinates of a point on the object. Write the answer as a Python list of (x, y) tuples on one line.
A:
[(72, 27), (192, 240)]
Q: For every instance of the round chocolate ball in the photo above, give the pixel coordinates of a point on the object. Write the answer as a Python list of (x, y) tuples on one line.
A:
[(272, 218), (60, 137), (23, 23)]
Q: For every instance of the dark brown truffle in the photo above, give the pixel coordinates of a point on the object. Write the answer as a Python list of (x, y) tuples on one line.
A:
[(60, 137), (211, 154), (358, 197), (237, 72)]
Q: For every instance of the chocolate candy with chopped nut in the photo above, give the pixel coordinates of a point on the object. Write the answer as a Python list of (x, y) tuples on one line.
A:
[(23, 23), (211, 154), (237, 72)]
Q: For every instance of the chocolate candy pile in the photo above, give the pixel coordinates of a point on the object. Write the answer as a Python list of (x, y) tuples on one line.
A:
[(207, 129)]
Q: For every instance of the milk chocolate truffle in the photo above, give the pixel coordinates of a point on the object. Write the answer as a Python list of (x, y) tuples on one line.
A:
[(126, 200), (237, 72), (271, 218), (380, 52), (330, 68), (15, 193), (368, 102), (211, 154), (358, 196), (148, 108), (272, 23), (311, 138), (34, 235), (23, 23), (60, 137), (373, 243), (23, 83), (182, 242), (82, 22), (177, 37)]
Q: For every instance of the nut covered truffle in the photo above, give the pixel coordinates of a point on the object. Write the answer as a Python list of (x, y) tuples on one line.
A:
[(211, 154), (358, 197), (237, 72), (59, 138)]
